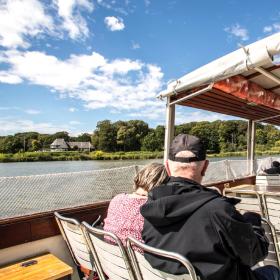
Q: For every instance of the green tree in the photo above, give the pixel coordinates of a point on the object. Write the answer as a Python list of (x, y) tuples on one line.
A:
[(126, 138), (36, 145), (107, 136), (261, 136), (151, 142), (61, 134), (85, 137), (11, 144)]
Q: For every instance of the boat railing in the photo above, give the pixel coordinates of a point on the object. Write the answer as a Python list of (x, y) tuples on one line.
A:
[(25, 195)]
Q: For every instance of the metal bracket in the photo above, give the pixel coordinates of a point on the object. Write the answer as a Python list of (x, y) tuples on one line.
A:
[(268, 118), (194, 94)]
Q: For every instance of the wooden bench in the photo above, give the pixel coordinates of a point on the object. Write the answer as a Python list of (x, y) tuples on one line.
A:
[(48, 267), (268, 180)]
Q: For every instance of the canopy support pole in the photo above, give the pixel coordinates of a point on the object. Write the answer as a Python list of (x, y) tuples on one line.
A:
[(249, 136), (252, 146), (268, 74), (169, 126)]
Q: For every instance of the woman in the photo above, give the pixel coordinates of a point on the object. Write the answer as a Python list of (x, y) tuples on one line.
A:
[(123, 217)]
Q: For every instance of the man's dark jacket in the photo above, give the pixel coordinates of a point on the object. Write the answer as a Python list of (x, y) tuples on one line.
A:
[(184, 217), (272, 170)]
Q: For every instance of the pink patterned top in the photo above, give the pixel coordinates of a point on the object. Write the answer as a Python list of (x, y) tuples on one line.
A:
[(124, 218)]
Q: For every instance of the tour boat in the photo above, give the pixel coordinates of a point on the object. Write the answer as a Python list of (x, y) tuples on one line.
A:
[(244, 84)]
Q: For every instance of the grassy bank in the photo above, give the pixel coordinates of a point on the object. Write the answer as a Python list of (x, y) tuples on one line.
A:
[(96, 155), (244, 154), (99, 155)]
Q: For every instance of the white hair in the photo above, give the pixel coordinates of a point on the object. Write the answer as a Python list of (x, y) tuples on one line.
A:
[(175, 166)]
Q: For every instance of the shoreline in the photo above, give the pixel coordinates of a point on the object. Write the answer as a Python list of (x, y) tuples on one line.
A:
[(99, 155)]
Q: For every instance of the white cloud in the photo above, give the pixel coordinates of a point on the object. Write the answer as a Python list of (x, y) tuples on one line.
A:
[(20, 19), (135, 45), (275, 27), (117, 6), (42, 69), (114, 24), (120, 84), (154, 111), (73, 109), (238, 31), (32, 112), (74, 122), (8, 78), (199, 115), (73, 22), (12, 125)]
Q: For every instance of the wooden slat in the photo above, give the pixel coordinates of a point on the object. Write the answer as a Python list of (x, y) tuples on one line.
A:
[(113, 249), (268, 180), (148, 272), (236, 102), (48, 268), (272, 200), (110, 258), (245, 208), (78, 244), (109, 267)]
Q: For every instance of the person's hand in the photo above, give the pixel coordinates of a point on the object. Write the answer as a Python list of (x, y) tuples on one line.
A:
[(252, 218)]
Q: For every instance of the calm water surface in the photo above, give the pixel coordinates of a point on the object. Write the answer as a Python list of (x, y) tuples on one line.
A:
[(48, 167)]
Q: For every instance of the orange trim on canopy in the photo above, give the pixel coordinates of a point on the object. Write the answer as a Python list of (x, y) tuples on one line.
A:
[(244, 89)]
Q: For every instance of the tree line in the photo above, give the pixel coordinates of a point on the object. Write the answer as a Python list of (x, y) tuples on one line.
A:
[(136, 135)]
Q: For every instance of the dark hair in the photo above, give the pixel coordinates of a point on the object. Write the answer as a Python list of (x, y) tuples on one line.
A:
[(275, 163)]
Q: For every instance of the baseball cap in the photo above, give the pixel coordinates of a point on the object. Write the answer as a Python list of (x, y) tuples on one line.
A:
[(185, 142)]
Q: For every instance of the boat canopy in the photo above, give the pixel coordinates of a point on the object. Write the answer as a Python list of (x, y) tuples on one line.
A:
[(244, 83)]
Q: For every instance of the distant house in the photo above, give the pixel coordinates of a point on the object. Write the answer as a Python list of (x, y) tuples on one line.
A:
[(61, 145)]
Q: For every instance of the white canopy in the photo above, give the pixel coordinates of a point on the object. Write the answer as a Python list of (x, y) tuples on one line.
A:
[(240, 61)]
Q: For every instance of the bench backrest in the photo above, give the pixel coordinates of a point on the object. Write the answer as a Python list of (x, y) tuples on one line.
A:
[(272, 209), (249, 201), (272, 212), (145, 271), (111, 258), (254, 202), (268, 180), (74, 238)]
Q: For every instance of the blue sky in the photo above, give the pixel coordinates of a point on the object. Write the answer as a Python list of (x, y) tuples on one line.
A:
[(67, 64)]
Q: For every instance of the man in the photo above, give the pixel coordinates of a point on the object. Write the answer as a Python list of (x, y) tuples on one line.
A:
[(184, 217), (274, 169)]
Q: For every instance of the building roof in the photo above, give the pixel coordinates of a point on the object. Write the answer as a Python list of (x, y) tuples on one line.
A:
[(59, 143), (244, 83), (80, 145)]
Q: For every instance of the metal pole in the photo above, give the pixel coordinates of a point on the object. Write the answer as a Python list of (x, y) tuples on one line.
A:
[(169, 126), (253, 142), (249, 137), (194, 94)]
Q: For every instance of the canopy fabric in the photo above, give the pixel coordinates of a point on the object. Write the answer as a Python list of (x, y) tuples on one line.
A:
[(244, 84), (241, 61)]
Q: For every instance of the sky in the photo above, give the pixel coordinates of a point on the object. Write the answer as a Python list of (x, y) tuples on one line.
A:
[(67, 64)]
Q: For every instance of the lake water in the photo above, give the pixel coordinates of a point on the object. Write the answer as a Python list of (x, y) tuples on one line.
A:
[(49, 167)]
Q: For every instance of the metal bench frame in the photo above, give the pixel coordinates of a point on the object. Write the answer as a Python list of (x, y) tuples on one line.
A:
[(59, 218), (263, 212), (131, 242), (273, 228), (89, 230)]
